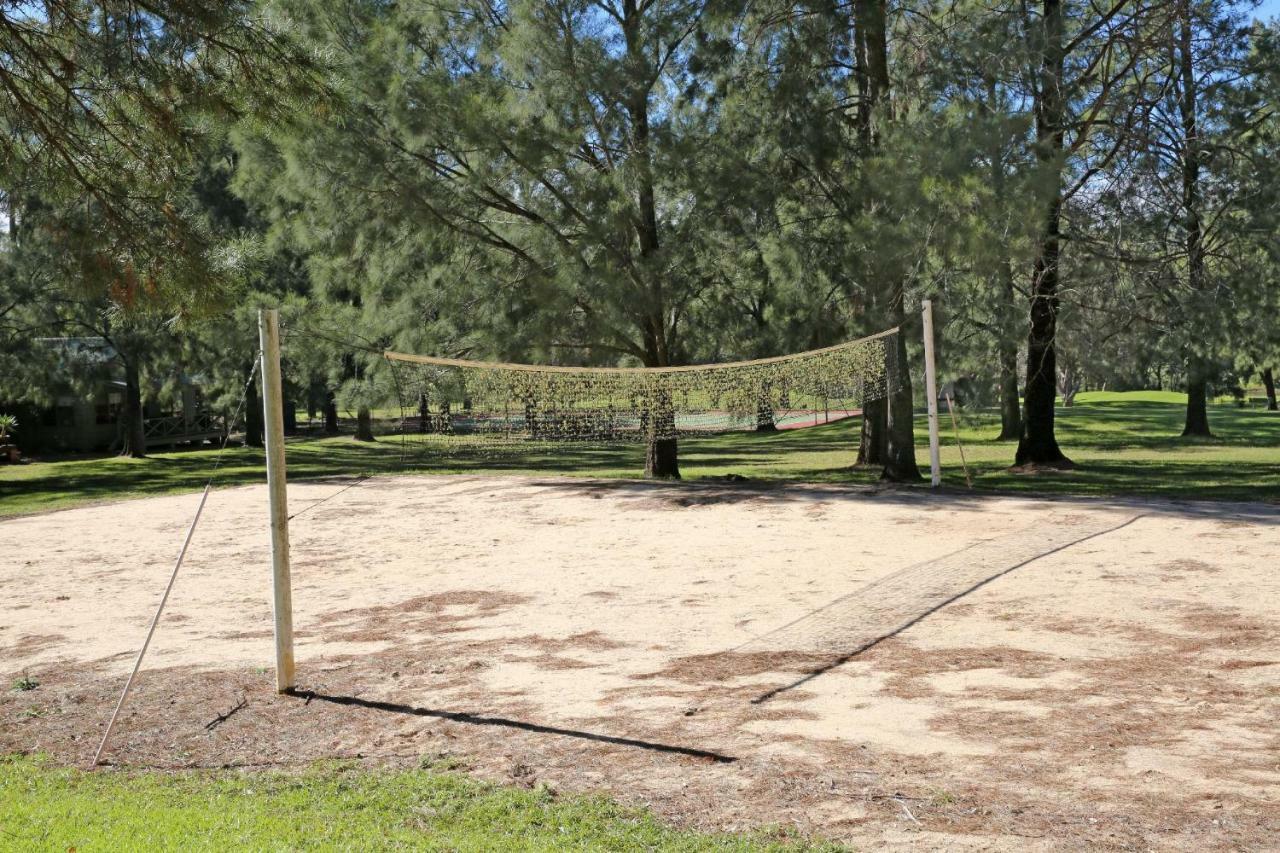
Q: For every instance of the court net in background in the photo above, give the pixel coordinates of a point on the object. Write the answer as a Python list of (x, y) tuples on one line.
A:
[(606, 405)]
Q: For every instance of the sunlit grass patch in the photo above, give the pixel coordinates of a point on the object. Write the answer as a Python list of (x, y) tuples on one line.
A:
[(328, 807), (1124, 443)]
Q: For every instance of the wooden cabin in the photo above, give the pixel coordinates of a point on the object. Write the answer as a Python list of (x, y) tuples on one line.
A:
[(85, 415)]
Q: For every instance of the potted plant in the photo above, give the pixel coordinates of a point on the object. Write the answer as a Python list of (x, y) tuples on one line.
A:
[(8, 452)]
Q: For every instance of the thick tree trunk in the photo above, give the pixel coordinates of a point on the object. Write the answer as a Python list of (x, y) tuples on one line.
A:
[(900, 443), (290, 417), (330, 414), (871, 446), (364, 424), (132, 420), (888, 429), (871, 69), (1269, 384), (887, 425), (1197, 422), (661, 458), (1039, 444)]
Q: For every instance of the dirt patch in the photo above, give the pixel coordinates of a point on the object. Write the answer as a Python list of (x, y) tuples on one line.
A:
[(587, 640), (1248, 664), (439, 613), (477, 601), (31, 644), (722, 666)]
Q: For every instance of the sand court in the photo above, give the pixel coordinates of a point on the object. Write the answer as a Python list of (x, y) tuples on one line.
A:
[(885, 667)]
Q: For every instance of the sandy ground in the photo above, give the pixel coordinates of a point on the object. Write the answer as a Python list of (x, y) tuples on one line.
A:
[(933, 671)]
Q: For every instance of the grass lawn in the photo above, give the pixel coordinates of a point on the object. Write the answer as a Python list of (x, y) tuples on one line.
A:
[(328, 807), (1125, 444)]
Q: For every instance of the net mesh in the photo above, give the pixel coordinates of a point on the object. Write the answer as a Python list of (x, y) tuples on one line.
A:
[(544, 403)]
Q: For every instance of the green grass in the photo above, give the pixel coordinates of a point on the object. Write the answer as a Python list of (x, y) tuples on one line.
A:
[(1173, 398), (1125, 444), (328, 807), (1129, 444)]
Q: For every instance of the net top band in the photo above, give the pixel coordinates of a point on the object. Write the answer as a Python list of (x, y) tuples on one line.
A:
[(553, 368)]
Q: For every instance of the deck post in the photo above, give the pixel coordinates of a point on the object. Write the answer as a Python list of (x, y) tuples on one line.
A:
[(273, 423)]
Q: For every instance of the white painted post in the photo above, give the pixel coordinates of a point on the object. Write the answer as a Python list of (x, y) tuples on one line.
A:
[(273, 421), (931, 391)]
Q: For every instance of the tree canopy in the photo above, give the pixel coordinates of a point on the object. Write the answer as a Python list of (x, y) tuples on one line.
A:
[(1087, 191)]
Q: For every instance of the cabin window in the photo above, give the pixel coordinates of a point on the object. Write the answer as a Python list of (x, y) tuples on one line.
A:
[(107, 413)]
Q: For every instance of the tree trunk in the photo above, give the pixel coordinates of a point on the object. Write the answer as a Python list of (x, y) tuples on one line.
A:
[(661, 457), (330, 414), (660, 453), (364, 424), (132, 419), (900, 439), (661, 461), (870, 73), (424, 413), (446, 418), (1010, 403), (764, 415), (254, 417), (531, 422), (1197, 422), (1269, 383), (871, 68), (1007, 307), (1039, 444), (871, 446), (888, 431), (290, 417)]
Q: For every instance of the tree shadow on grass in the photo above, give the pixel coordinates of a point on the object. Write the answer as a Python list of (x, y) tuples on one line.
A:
[(800, 455), (1121, 425), (1185, 481)]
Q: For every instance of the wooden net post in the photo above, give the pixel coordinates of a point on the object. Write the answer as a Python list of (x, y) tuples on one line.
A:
[(273, 411), (931, 392)]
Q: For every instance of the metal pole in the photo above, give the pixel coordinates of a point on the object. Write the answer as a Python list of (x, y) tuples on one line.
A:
[(273, 420), (931, 391)]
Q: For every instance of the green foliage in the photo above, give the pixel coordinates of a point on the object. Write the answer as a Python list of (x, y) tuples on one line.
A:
[(616, 183), (326, 807), (24, 683), (106, 111)]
